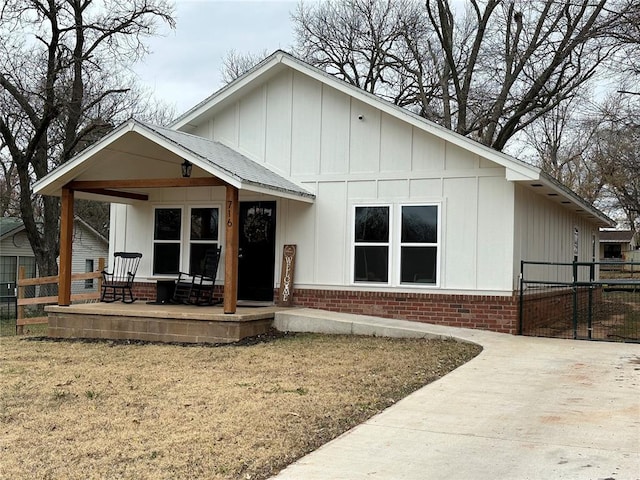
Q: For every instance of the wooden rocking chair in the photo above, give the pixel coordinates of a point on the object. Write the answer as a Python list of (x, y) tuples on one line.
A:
[(117, 284), (197, 288)]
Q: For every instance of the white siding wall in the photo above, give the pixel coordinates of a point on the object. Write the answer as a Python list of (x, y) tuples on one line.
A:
[(132, 225), (347, 153), (86, 246), (544, 232)]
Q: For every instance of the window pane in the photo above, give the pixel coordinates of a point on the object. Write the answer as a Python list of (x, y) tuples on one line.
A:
[(167, 224), (88, 268), (420, 224), (8, 272), (372, 264), (204, 224), (372, 224), (29, 264), (166, 258), (418, 264), (197, 256)]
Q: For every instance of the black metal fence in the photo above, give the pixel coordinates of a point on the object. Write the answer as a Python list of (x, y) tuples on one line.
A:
[(8, 307), (580, 300)]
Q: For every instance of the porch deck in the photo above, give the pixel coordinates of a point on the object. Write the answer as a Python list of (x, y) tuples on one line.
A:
[(158, 323)]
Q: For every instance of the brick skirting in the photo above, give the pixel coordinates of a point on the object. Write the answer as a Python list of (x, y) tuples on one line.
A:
[(146, 292), (485, 312)]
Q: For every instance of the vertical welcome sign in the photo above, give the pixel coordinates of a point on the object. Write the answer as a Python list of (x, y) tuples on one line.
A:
[(286, 278)]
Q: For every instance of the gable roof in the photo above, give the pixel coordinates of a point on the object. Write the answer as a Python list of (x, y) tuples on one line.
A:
[(12, 225), (233, 164), (213, 157), (616, 236), (516, 170)]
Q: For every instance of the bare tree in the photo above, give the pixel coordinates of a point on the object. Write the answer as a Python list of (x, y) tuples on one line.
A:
[(617, 155), (508, 63), (487, 72), (235, 64), (563, 140), (63, 83), (376, 45)]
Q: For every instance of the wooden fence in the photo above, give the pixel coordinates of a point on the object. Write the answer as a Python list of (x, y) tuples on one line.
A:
[(22, 320)]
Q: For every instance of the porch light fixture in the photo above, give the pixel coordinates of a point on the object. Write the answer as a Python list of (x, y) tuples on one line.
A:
[(186, 168)]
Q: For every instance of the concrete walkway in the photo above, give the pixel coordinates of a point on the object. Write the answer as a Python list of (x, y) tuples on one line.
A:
[(525, 408)]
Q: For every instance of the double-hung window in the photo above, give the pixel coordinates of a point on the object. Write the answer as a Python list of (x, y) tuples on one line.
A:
[(419, 244), (203, 237), (371, 249), (167, 234), (88, 268), (412, 241), (200, 230)]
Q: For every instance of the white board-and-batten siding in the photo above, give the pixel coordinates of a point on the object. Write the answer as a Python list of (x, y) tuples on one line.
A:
[(546, 232), (350, 153)]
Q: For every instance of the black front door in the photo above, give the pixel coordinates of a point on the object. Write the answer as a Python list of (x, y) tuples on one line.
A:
[(257, 243)]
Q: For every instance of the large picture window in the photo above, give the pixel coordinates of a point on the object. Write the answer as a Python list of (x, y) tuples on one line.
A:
[(200, 231), (166, 241), (371, 250), (412, 241), (419, 244)]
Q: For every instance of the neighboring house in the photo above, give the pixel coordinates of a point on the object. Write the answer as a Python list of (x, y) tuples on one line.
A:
[(617, 244), (15, 251), (391, 214)]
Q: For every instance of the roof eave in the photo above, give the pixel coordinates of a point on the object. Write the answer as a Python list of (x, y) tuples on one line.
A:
[(228, 90), (282, 58), (281, 192), (550, 182), (50, 183)]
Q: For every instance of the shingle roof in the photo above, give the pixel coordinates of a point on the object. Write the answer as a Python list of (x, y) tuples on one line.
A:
[(231, 162), (516, 169), (9, 224), (616, 236)]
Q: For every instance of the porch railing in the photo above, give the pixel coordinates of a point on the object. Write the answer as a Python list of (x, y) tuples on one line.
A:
[(25, 300)]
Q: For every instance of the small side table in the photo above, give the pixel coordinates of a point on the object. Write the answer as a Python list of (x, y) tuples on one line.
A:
[(164, 290)]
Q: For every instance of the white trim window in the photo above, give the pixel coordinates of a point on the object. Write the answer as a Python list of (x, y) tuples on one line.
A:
[(167, 240), (413, 241), (419, 244), (200, 231), (203, 236), (88, 268), (371, 249)]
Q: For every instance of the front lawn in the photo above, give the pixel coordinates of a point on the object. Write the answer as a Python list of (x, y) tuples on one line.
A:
[(101, 410)]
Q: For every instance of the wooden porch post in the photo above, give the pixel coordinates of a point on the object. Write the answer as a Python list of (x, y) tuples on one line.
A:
[(66, 239), (231, 254)]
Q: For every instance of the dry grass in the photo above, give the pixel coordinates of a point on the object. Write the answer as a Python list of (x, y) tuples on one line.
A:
[(78, 410)]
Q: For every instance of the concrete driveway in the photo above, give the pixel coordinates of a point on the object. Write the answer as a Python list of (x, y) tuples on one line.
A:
[(525, 408)]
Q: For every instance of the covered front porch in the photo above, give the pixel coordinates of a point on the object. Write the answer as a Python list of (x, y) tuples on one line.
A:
[(159, 323), (145, 167)]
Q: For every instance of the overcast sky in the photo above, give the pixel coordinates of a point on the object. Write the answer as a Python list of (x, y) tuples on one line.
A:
[(184, 66)]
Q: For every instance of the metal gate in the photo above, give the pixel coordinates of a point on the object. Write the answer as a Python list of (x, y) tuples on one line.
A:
[(8, 308), (580, 300)]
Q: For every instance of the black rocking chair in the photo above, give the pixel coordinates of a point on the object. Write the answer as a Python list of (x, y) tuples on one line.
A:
[(197, 288), (117, 284)]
